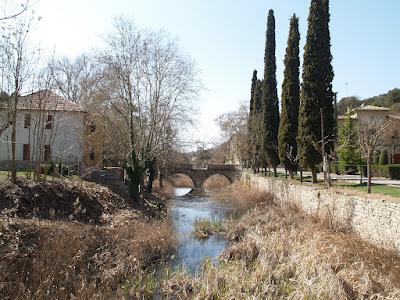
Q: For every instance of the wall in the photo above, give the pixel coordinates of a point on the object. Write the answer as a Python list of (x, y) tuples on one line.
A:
[(66, 137), (374, 219)]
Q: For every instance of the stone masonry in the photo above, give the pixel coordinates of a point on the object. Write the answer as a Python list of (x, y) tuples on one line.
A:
[(374, 218)]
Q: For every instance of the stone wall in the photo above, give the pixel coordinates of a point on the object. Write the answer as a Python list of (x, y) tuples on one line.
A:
[(375, 219)]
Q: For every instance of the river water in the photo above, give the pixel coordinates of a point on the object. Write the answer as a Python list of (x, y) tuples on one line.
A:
[(184, 209)]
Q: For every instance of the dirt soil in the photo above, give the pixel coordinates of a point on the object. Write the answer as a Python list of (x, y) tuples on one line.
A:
[(80, 201)]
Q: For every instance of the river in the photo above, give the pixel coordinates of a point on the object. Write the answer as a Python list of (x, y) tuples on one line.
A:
[(184, 209)]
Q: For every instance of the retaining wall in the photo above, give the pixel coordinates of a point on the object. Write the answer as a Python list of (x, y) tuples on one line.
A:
[(374, 219)]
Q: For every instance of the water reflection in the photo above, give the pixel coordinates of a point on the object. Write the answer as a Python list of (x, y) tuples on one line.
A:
[(183, 211)]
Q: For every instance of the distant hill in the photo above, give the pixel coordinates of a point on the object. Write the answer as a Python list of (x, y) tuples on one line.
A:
[(390, 100)]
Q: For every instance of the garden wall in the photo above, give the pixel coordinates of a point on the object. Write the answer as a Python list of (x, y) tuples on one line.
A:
[(375, 219)]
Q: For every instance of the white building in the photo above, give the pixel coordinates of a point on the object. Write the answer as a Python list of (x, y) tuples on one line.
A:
[(49, 128)]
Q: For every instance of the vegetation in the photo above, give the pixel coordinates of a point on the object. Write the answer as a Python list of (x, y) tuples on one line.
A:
[(270, 103), (348, 148), (288, 125), (316, 95), (75, 240), (203, 228), (279, 252), (383, 158)]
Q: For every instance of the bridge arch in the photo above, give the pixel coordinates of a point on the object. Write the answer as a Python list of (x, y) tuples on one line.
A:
[(181, 179), (217, 181), (200, 174)]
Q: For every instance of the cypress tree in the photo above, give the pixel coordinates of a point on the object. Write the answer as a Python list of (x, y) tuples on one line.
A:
[(257, 125), (383, 158), (316, 92), (349, 151), (288, 125), (270, 98), (250, 128), (253, 87)]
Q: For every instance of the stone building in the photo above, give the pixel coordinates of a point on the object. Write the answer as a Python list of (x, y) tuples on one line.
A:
[(50, 128), (379, 114)]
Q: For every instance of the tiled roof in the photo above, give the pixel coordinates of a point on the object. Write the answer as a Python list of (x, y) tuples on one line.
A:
[(47, 100), (372, 107)]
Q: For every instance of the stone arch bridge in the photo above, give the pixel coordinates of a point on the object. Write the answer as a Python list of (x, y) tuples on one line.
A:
[(199, 174)]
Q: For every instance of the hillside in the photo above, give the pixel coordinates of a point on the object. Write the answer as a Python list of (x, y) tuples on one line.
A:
[(391, 99)]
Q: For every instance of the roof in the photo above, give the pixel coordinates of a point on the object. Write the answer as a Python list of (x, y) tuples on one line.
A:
[(47, 100), (372, 107)]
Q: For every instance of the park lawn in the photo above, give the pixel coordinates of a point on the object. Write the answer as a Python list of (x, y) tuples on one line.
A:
[(383, 189), (4, 174)]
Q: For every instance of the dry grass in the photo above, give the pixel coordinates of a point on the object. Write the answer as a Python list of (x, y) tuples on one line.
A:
[(216, 182), (240, 195), (203, 228), (181, 180), (45, 254), (63, 260), (279, 253)]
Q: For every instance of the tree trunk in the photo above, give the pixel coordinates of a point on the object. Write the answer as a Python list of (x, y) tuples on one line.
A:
[(314, 175), (275, 172), (301, 175), (13, 145), (291, 174), (369, 163)]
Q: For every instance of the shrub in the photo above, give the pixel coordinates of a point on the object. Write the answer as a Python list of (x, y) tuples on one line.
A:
[(383, 158), (380, 171), (394, 171)]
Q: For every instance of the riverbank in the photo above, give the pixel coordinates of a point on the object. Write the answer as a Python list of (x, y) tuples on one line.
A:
[(277, 252), (64, 240)]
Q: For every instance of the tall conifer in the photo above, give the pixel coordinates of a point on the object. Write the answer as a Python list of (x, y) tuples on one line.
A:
[(250, 125), (270, 98), (316, 92), (257, 125), (288, 125)]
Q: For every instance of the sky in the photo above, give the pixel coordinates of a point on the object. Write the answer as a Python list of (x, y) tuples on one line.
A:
[(227, 38)]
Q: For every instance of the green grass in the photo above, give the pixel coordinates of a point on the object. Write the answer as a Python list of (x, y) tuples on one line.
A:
[(375, 189), (4, 174)]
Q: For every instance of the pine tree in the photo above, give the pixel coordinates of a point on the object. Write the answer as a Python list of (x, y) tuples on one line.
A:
[(253, 87), (288, 125), (316, 92), (270, 98), (349, 151)]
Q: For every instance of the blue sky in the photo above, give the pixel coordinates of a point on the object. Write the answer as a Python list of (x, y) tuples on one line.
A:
[(227, 38)]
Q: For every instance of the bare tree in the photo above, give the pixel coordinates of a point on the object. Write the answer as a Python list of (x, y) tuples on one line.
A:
[(153, 86), (234, 127), (15, 55), (370, 134), (13, 11)]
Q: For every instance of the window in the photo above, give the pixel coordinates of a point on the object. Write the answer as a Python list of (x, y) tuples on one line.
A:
[(27, 121), (49, 121), (91, 153), (47, 153), (26, 152), (92, 127)]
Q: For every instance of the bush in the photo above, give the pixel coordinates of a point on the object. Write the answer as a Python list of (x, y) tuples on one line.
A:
[(394, 171), (380, 171), (383, 158)]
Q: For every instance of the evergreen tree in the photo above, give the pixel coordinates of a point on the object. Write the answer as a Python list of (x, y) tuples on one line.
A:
[(270, 98), (253, 87), (256, 125), (316, 92), (348, 151), (288, 125), (383, 158), (250, 128)]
